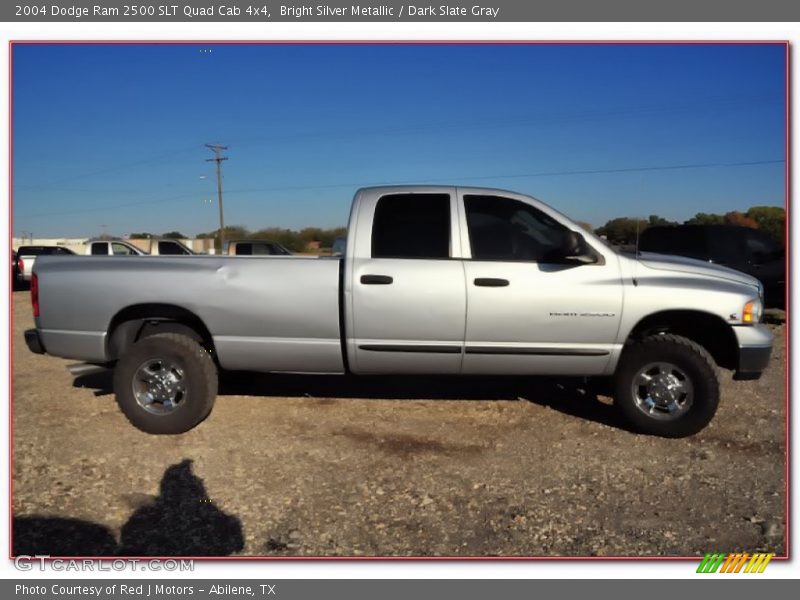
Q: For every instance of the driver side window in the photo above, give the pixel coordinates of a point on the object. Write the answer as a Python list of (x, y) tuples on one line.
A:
[(503, 229)]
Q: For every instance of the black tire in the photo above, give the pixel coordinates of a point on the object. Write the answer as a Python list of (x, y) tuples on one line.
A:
[(198, 372), (692, 361)]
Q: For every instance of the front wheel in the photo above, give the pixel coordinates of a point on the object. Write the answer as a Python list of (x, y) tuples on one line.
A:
[(666, 385), (165, 383)]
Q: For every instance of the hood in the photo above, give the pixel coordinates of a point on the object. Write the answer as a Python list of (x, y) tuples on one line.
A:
[(669, 262)]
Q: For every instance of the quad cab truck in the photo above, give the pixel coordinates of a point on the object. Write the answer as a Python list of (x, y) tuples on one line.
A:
[(433, 280), (155, 247)]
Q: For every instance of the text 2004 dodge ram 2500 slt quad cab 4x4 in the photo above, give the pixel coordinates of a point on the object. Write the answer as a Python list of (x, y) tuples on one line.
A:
[(445, 280)]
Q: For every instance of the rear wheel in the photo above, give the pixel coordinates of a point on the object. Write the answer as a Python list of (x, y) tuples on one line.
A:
[(667, 385), (165, 383)]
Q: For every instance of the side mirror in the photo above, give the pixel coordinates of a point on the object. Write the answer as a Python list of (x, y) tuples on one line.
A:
[(575, 248)]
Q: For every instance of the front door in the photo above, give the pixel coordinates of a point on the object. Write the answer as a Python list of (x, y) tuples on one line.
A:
[(529, 310)]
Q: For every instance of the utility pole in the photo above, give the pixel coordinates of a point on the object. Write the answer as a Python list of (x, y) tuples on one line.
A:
[(218, 158)]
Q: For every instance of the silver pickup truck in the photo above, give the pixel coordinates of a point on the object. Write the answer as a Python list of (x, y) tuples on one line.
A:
[(439, 280)]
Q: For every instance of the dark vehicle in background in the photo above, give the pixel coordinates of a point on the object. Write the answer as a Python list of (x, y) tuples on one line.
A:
[(256, 248), (742, 248), (14, 270), (26, 256)]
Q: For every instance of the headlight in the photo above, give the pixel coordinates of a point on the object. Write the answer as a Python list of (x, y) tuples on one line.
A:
[(751, 313)]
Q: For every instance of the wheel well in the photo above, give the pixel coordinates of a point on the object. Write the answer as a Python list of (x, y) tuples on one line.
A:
[(710, 331), (142, 320)]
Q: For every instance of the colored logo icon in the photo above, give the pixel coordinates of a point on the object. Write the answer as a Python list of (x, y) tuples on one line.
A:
[(740, 562)]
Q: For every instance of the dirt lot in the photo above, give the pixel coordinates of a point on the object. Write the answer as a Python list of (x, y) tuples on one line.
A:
[(290, 466)]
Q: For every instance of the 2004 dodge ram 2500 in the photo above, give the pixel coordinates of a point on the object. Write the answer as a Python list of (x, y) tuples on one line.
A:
[(439, 280)]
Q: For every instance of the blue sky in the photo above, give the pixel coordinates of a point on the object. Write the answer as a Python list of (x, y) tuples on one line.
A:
[(113, 134)]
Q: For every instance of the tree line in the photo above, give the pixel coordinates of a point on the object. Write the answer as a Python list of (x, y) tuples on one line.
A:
[(771, 219), (620, 230), (294, 241)]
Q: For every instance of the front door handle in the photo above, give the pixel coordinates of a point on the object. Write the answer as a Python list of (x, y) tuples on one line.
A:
[(376, 280), (491, 282)]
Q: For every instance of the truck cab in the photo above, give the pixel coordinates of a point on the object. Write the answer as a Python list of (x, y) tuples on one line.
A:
[(112, 248)]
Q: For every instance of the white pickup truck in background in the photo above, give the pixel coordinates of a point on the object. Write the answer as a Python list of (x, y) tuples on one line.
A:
[(157, 247), (26, 257)]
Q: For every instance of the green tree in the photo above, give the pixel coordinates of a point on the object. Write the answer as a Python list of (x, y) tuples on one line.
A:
[(741, 220), (287, 238), (174, 235), (655, 220), (140, 236), (232, 232), (706, 219), (771, 219), (622, 230)]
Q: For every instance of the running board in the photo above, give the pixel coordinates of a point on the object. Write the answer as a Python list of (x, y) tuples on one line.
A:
[(80, 369)]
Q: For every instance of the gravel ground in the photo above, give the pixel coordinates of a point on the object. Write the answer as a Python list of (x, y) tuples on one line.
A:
[(293, 466)]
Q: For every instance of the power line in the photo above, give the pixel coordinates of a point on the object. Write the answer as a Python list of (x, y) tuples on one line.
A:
[(482, 123), (715, 104), (576, 172), (515, 176), (109, 207), (119, 167)]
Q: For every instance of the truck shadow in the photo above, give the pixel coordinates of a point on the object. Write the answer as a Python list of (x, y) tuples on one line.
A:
[(577, 397), (180, 521)]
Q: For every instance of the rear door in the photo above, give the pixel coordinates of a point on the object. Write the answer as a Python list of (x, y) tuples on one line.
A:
[(529, 311), (407, 304)]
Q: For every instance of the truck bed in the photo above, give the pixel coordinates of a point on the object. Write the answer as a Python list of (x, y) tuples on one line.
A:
[(265, 313)]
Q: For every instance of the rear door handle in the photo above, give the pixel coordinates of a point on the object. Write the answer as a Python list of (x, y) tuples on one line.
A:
[(491, 282), (376, 280)]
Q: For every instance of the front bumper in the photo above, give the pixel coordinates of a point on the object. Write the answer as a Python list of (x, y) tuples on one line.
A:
[(755, 349), (34, 341)]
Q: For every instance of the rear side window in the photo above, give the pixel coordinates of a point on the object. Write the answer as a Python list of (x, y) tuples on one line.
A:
[(101, 249), (244, 249), (412, 226)]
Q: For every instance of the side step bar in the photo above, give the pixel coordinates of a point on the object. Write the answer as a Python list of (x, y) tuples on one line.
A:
[(80, 369)]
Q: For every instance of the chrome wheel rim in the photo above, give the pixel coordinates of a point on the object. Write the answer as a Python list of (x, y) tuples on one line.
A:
[(662, 391), (159, 386)]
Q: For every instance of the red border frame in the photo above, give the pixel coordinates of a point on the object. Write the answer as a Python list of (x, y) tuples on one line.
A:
[(787, 239)]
